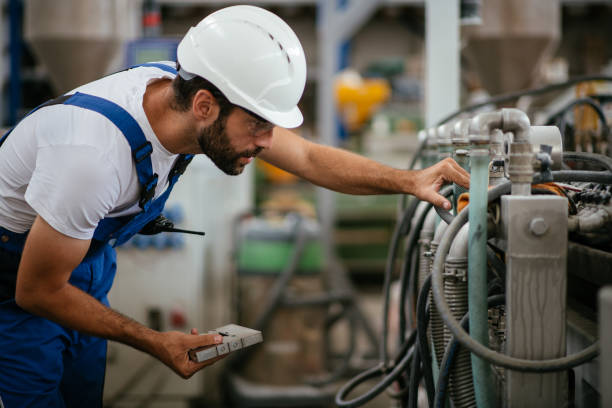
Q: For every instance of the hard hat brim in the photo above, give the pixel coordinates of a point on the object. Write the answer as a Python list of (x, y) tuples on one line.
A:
[(290, 119)]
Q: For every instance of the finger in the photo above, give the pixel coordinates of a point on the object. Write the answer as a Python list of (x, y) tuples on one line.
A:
[(208, 339), (438, 200), (456, 173), (194, 331), (198, 366)]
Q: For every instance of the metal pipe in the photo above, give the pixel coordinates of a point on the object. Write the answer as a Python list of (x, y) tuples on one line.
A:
[(588, 221), (445, 144), (461, 145), (477, 267), (507, 120)]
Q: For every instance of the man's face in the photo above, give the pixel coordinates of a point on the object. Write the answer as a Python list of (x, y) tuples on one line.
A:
[(232, 142)]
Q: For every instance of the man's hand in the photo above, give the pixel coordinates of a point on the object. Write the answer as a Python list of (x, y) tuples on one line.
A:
[(43, 289), (173, 348), (427, 182)]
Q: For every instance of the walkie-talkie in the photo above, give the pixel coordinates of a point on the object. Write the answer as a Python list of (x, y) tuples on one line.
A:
[(163, 224)]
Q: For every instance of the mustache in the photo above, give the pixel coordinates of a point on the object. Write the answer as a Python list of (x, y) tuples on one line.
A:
[(252, 153)]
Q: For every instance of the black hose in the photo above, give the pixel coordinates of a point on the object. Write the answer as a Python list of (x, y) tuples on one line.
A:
[(445, 215), (464, 338), (400, 230), (596, 107), (600, 159), (415, 377), (451, 351), (534, 91), (600, 177), (424, 354), (373, 372), (407, 271), (497, 265), (412, 241), (343, 367)]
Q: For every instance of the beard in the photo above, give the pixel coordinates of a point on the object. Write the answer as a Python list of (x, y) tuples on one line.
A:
[(215, 143)]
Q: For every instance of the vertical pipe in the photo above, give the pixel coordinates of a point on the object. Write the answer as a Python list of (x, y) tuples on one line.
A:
[(442, 59), (477, 271), (461, 146), (326, 112)]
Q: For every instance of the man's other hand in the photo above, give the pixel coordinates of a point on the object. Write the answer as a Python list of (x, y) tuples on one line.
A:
[(174, 346), (427, 182)]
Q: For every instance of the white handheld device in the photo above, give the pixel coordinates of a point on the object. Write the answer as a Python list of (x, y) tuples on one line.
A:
[(234, 338)]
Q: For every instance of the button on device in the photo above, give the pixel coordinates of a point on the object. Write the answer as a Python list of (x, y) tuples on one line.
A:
[(235, 344), (223, 348)]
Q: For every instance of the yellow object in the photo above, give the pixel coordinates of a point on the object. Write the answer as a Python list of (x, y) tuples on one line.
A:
[(274, 174), (358, 98), (464, 199)]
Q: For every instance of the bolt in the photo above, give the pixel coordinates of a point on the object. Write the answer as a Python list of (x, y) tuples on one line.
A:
[(538, 226)]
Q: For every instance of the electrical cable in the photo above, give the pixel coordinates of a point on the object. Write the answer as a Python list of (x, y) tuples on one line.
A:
[(464, 338), (600, 159), (533, 91), (451, 351)]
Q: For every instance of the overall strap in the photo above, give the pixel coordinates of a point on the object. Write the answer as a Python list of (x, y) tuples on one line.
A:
[(140, 146)]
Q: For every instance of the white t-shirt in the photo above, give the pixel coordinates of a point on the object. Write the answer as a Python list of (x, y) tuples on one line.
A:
[(73, 167)]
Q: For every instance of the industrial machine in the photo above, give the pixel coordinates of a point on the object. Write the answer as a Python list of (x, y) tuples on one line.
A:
[(505, 288)]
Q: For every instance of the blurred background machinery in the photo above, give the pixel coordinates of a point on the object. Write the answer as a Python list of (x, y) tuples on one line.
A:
[(524, 255)]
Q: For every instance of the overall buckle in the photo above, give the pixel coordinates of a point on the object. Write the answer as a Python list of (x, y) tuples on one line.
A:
[(142, 152), (148, 191)]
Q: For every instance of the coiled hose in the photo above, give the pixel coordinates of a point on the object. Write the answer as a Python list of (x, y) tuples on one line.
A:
[(463, 337)]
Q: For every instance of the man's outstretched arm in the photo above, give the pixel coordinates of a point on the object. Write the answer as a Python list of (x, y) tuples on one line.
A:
[(351, 173), (43, 289)]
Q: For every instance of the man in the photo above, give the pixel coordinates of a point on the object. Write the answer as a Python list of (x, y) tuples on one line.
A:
[(90, 169)]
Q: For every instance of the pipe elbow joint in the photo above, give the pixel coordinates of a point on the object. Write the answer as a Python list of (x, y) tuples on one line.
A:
[(482, 125), (517, 122)]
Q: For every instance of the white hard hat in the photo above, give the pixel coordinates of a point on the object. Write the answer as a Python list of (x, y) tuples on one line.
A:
[(253, 57)]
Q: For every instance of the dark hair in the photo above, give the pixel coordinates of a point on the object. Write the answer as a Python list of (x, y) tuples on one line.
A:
[(184, 90)]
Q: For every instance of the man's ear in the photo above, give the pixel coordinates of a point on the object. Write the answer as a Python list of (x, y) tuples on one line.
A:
[(204, 106)]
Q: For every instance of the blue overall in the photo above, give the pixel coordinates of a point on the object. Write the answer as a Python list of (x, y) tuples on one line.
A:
[(43, 364)]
